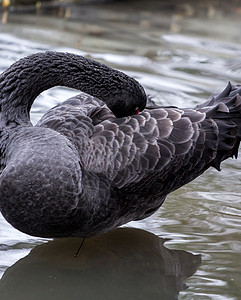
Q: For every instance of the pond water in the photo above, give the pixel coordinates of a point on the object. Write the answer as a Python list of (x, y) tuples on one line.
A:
[(181, 54)]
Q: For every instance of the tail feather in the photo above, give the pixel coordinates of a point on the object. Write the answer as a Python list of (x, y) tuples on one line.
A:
[(225, 110)]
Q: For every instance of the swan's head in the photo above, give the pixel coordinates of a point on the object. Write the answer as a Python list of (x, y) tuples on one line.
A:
[(128, 102), (123, 94)]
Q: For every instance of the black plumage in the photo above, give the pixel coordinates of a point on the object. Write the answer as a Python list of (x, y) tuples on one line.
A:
[(92, 164)]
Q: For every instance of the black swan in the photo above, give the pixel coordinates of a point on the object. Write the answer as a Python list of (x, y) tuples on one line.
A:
[(100, 160)]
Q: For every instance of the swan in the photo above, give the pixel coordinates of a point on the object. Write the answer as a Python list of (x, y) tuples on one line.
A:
[(100, 159)]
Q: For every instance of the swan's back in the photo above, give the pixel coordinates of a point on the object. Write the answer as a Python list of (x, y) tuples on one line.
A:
[(144, 157)]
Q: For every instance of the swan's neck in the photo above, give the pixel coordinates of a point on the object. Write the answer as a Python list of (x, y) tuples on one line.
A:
[(27, 78)]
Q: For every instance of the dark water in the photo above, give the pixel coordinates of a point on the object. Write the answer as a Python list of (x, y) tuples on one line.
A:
[(181, 54)]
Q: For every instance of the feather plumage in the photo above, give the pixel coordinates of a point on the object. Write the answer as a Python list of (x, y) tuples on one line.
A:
[(83, 170)]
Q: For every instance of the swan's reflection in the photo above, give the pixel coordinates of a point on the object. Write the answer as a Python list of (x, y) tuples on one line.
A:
[(123, 264)]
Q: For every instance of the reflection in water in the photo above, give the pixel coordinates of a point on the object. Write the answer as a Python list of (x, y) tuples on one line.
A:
[(122, 264)]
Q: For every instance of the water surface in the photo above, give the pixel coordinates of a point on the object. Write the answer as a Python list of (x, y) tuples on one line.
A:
[(181, 55)]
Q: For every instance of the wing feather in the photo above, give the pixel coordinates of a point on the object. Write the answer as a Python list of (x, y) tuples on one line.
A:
[(156, 150)]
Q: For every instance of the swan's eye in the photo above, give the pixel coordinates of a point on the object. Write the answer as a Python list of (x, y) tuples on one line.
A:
[(137, 110)]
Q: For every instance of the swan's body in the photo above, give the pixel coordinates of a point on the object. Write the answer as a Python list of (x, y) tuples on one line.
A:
[(81, 170)]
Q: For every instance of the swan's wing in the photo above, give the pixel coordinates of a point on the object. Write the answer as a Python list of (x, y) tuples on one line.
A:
[(153, 150), (143, 151)]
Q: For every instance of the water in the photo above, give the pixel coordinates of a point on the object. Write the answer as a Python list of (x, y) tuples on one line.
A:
[(181, 54)]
